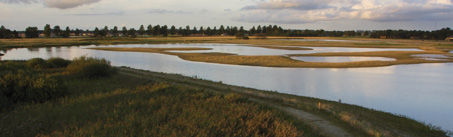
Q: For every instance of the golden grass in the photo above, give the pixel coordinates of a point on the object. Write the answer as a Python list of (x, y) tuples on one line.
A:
[(402, 57)]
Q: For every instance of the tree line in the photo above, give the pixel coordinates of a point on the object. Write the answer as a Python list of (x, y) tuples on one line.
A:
[(270, 30)]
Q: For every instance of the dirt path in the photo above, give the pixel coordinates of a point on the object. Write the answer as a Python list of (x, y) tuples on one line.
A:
[(320, 125)]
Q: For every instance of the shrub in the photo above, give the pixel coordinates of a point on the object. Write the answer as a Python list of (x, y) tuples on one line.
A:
[(37, 63), (56, 62), (26, 86), (89, 67)]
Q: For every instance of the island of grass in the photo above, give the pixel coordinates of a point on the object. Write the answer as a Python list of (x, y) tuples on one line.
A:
[(88, 97), (402, 57)]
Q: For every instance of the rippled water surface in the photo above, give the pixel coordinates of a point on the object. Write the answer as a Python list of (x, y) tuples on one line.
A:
[(423, 92)]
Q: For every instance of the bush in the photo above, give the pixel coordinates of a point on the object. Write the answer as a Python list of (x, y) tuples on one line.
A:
[(56, 62), (89, 67), (26, 86), (37, 63)]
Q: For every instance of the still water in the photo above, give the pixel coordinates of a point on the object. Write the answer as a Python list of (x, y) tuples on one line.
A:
[(423, 92), (341, 59)]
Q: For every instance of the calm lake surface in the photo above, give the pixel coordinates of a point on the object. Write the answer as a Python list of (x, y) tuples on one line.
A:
[(423, 92)]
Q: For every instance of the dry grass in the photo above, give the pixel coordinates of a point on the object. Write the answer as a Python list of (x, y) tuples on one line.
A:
[(402, 57)]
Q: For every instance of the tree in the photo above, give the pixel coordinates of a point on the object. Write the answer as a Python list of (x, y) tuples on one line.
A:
[(105, 31), (221, 30), (149, 30), (115, 31), (187, 31), (31, 32), (124, 31), (96, 32), (173, 30), (5, 33), (201, 30), (164, 30), (132, 32), (141, 31), (259, 30), (252, 31), (47, 31), (208, 31), (194, 30), (66, 33), (77, 32), (57, 31), (156, 30)]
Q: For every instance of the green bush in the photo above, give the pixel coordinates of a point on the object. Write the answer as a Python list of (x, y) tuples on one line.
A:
[(56, 62), (26, 86), (89, 67), (37, 63)]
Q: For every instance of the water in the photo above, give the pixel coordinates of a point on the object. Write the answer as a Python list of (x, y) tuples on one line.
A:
[(341, 59), (423, 92)]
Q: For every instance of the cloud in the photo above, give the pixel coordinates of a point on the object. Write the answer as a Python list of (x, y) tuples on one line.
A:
[(66, 4), (101, 14), (302, 11), (18, 1), (164, 11)]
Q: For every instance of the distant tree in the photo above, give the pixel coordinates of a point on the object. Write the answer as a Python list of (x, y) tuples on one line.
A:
[(5, 33), (194, 30), (201, 30), (66, 33), (208, 31), (221, 30), (132, 32), (241, 30), (252, 31), (173, 30), (105, 31), (141, 31), (115, 31), (124, 31), (149, 30), (57, 31), (164, 30), (96, 32), (181, 31), (259, 29), (31, 32), (187, 31), (214, 31), (77, 32), (156, 30), (47, 31), (15, 34)]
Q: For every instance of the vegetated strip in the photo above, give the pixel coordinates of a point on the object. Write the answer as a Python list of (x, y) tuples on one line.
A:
[(403, 57)]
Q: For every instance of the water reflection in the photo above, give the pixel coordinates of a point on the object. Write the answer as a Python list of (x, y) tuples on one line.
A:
[(422, 92), (341, 59)]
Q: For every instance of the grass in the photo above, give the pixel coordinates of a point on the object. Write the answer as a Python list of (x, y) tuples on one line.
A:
[(140, 106), (402, 57), (354, 119)]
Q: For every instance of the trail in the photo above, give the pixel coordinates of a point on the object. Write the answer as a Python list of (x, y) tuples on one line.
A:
[(320, 125)]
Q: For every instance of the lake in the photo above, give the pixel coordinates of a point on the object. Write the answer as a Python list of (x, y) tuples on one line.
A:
[(423, 92)]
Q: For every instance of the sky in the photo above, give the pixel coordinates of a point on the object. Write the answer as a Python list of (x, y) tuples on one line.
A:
[(289, 14)]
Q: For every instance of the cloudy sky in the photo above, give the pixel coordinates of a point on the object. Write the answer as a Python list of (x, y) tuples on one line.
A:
[(294, 14)]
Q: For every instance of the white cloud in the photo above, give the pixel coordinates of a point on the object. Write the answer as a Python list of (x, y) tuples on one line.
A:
[(302, 11), (65, 4)]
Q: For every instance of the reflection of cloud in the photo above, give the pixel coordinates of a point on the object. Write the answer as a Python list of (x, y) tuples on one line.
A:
[(101, 14), (66, 4), (302, 11), (164, 11)]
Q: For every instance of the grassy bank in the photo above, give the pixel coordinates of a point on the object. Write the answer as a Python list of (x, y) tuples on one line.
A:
[(113, 106)]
